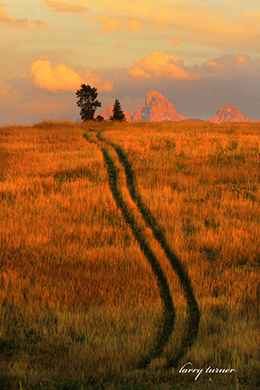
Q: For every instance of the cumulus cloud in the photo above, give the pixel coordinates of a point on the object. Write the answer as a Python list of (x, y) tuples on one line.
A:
[(174, 41), (161, 65), (242, 59), (212, 64), (62, 6), (112, 24), (64, 78), (230, 64), (6, 19), (134, 26), (108, 24), (44, 57), (230, 79), (214, 23)]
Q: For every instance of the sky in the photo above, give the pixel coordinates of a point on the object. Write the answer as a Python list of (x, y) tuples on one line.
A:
[(199, 54)]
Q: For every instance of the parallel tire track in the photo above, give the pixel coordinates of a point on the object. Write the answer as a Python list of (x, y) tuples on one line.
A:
[(191, 332), (168, 309)]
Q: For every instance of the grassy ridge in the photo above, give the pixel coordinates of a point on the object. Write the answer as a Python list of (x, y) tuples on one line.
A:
[(79, 302)]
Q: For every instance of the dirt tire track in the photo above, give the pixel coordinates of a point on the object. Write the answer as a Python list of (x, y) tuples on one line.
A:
[(168, 308), (191, 332)]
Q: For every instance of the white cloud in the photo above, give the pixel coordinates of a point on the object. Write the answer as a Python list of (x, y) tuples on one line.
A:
[(64, 78), (161, 65), (6, 19), (112, 24)]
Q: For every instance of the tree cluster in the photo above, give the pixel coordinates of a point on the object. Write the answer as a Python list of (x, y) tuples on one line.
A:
[(88, 103)]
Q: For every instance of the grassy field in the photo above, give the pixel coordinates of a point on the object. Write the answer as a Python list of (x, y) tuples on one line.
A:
[(80, 303)]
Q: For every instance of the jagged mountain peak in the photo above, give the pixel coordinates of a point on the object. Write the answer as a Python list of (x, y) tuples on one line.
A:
[(157, 109), (229, 113)]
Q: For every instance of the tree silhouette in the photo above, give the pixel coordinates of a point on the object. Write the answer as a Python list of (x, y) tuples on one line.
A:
[(87, 101), (99, 118), (118, 113)]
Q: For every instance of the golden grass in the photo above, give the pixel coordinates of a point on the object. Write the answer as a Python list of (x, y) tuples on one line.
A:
[(79, 302)]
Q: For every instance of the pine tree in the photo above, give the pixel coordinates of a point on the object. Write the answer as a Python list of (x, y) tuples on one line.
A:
[(87, 101), (99, 118), (118, 113)]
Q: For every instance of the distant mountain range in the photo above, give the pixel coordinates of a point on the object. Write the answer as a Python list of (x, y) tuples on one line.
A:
[(158, 109)]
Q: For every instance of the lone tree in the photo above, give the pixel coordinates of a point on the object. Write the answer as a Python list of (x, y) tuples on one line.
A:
[(118, 113), (87, 101)]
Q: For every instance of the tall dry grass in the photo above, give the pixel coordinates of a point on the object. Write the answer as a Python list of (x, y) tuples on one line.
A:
[(79, 302)]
